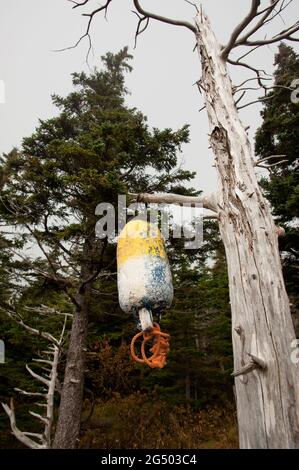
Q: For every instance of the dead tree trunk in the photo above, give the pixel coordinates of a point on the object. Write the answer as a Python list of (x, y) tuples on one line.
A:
[(267, 383)]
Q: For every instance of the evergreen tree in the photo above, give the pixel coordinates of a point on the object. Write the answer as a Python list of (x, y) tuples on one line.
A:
[(200, 360), (95, 149), (279, 135)]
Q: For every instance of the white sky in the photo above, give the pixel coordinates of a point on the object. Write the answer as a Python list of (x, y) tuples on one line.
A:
[(165, 68)]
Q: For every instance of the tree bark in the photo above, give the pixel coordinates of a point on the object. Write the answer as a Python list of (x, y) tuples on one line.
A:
[(69, 418), (68, 424), (267, 397)]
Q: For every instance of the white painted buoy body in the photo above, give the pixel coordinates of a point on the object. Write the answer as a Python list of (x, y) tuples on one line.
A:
[(144, 276)]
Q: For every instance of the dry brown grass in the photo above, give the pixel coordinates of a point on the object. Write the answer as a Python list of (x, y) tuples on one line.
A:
[(134, 422)]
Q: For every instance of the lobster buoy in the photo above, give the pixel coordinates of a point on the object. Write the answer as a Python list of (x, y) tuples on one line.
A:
[(144, 276)]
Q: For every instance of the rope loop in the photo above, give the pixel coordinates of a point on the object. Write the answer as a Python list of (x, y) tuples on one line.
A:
[(159, 349)]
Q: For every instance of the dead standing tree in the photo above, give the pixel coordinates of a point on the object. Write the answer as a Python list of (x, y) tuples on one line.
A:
[(267, 382), (48, 377), (70, 267)]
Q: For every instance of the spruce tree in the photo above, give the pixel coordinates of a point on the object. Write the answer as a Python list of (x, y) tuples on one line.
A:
[(279, 135), (95, 149)]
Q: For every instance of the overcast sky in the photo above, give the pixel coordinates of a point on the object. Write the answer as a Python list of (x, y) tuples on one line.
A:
[(165, 68)]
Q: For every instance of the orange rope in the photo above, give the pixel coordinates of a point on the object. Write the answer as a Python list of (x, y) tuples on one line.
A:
[(159, 349)]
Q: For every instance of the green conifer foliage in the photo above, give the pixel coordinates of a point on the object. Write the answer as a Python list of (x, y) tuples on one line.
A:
[(279, 135)]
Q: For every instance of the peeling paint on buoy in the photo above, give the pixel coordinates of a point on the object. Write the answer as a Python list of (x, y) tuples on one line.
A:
[(144, 276)]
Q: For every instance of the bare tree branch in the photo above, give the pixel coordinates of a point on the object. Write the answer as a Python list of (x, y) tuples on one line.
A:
[(259, 100), (285, 34), (271, 157), (243, 64), (240, 27), (98, 10), (29, 394), (43, 361), (258, 72), (76, 4), (50, 383), (235, 39), (270, 167), (261, 162), (240, 97), (18, 319), (87, 32), (44, 310), (37, 376), (248, 80), (267, 12), (86, 35), (10, 411), (248, 52), (193, 4), (38, 416), (164, 19), (208, 202), (140, 30)]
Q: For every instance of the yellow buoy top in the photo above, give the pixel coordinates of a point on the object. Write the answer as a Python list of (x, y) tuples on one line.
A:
[(139, 238)]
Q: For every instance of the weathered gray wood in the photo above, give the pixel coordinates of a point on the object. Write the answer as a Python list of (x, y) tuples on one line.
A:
[(50, 382), (208, 202), (22, 436), (268, 400)]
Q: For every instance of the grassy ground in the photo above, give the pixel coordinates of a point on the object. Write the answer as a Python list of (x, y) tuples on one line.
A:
[(134, 422)]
